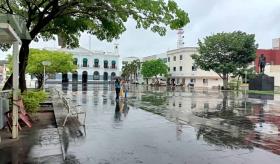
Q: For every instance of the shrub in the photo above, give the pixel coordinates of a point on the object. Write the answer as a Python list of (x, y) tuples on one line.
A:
[(32, 100)]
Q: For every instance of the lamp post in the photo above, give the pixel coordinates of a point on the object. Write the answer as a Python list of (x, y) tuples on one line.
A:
[(245, 72), (45, 63)]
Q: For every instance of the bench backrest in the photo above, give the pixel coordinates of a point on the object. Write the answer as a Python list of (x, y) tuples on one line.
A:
[(66, 103)]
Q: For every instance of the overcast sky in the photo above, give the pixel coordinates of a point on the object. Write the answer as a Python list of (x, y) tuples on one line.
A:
[(259, 17)]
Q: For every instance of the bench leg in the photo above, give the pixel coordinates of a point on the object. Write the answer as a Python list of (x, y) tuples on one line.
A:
[(64, 122)]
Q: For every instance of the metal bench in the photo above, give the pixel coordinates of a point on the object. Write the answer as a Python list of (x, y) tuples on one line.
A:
[(73, 109)]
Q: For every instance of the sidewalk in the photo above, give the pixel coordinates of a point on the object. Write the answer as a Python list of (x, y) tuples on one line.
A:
[(39, 144)]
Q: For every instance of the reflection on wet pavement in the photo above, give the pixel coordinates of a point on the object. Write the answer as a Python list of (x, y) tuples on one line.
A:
[(165, 125)]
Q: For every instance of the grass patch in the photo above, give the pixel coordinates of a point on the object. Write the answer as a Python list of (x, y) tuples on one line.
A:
[(32, 100)]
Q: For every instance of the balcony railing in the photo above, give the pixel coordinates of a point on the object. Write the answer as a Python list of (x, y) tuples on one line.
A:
[(113, 67), (96, 66)]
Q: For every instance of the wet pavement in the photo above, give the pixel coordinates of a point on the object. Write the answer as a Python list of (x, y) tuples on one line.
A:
[(161, 125), (155, 125)]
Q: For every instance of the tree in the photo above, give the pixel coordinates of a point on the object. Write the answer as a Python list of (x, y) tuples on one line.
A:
[(61, 62), (250, 73), (153, 68), (105, 19), (225, 53), (131, 70)]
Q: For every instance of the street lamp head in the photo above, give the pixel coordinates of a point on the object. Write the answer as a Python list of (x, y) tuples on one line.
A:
[(46, 63)]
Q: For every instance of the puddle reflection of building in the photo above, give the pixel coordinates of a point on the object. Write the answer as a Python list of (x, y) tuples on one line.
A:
[(267, 128), (74, 87)]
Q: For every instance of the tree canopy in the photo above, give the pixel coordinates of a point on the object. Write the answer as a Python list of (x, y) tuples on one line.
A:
[(60, 62), (153, 68), (105, 19), (225, 53), (131, 69)]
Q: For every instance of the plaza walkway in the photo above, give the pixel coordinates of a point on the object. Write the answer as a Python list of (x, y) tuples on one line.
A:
[(164, 126), (159, 125)]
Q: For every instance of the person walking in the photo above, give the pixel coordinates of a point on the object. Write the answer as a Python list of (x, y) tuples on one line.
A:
[(117, 88)]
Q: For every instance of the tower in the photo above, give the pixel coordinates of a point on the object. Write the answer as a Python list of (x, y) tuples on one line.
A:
[(116, 49), (180, 41)]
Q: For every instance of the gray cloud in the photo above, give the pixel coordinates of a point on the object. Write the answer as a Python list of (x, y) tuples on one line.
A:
[(259, 17)]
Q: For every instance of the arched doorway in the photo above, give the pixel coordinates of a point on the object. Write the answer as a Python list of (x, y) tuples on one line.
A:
[(65, 78), (75, 77), (113, 74), (84, 77), (105, 76), (96, 75)]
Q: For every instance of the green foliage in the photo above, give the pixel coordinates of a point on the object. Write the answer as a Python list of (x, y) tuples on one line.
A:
[(105, 19), (32, 100), (131, 69), (225, 53), (61, 62), (250, 73), (153, 68)]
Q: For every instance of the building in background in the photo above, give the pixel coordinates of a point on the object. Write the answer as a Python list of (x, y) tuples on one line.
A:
[(183, 71), (92, 66)]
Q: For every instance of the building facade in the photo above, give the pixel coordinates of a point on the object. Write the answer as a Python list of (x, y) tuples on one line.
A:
[(92, 66), (183, 71)]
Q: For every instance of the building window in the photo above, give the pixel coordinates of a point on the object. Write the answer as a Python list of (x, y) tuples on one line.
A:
[(75, 62), (168, 59), (174, 69), (193, 80), (194, 67), (85, 61), (205, 81), (105, 63), (113, 64), (96, 63), (181, 57), (181, 68), (174, 58), (168, 69)]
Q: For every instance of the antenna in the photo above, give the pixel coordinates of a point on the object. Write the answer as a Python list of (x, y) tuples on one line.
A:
[(180, 41)]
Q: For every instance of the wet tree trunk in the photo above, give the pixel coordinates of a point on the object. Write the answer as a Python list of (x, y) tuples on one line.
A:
[(23, 59)]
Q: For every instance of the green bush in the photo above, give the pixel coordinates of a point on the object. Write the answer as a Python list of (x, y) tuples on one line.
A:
[(32, 100)]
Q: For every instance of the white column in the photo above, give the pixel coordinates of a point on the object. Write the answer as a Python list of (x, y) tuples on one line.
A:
[(15, 88)]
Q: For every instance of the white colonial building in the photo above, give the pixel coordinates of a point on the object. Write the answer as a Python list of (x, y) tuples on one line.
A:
[(92, 66), (183, 71)]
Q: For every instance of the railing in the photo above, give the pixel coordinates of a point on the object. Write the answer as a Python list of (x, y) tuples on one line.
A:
[(96, 66)]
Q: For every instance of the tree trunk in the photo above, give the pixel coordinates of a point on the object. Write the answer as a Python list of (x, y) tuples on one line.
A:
[(23, 59), (225, 82), (40, 83)]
